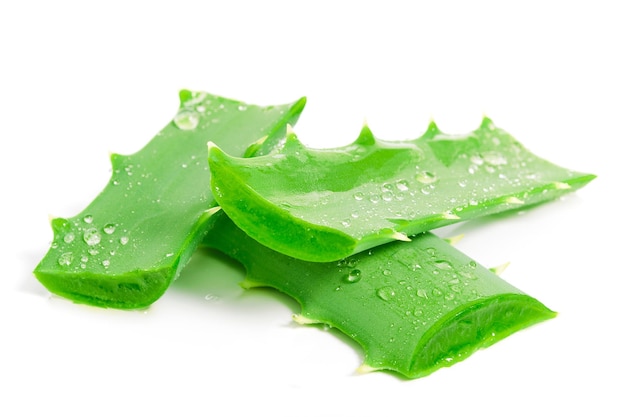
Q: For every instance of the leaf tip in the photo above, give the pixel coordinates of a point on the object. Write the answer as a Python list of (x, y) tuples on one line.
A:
[(289, 131), (432, 130), (248, 284), (365, 369), (184, 95), (254, 147), (486, 123), (214, 150), (300, 319), (454, 239), (366, 137), (400, 236), (213, 210), (498, 270)]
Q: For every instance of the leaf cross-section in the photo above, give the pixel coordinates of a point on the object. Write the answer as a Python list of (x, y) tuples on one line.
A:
[(414, 307)]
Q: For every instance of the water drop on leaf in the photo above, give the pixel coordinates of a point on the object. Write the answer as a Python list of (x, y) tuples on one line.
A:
[(186, 119), (91, 236)]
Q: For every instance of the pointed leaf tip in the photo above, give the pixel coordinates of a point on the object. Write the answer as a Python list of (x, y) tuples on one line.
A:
[(213, 210), (486, 123), (400, 236), (184, 95), (432, 130), (300, 319), (366, 137), (454, 239), (498, 270), (365, 369)]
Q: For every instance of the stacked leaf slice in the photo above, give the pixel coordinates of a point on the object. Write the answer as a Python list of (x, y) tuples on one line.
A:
[(344, 231)]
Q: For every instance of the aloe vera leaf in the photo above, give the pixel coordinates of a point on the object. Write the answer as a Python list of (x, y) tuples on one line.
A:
[(125, 247), (326, 204), (414, 307)]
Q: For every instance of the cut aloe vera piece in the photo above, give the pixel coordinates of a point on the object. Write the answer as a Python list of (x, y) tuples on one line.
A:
[(326, 204), (414, 306), (126, 247)]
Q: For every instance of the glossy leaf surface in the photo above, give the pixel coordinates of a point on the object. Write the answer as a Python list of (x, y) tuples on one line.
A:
[(125, 248), (326, 204), (414, 307)]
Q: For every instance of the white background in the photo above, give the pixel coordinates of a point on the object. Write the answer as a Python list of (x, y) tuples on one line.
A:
[(78, 80)]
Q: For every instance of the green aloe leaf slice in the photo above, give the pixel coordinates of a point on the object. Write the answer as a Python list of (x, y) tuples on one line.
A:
[(125, 248), (326, 204), (414, 307)]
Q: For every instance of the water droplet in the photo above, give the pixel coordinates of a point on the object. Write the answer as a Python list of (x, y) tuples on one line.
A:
[(358, 196), (116, 182), (242, 107), (449, 296), (476, 160), (437, 292), (88, 219), (427, 189), (69, 238), (374, 198), (472, 264), (91, 236), (387, 195), (106, 263), (462, 183), (387, 272), (211, 297), (472, 169), (386, 293), (494, 158), (444, 265), (426, 177), (109, 229), (186, 119), (353, 276), (66, 259), (124, 240), (93, 251), (184, 165), (84, 258), (422, 293), (402, 185)]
